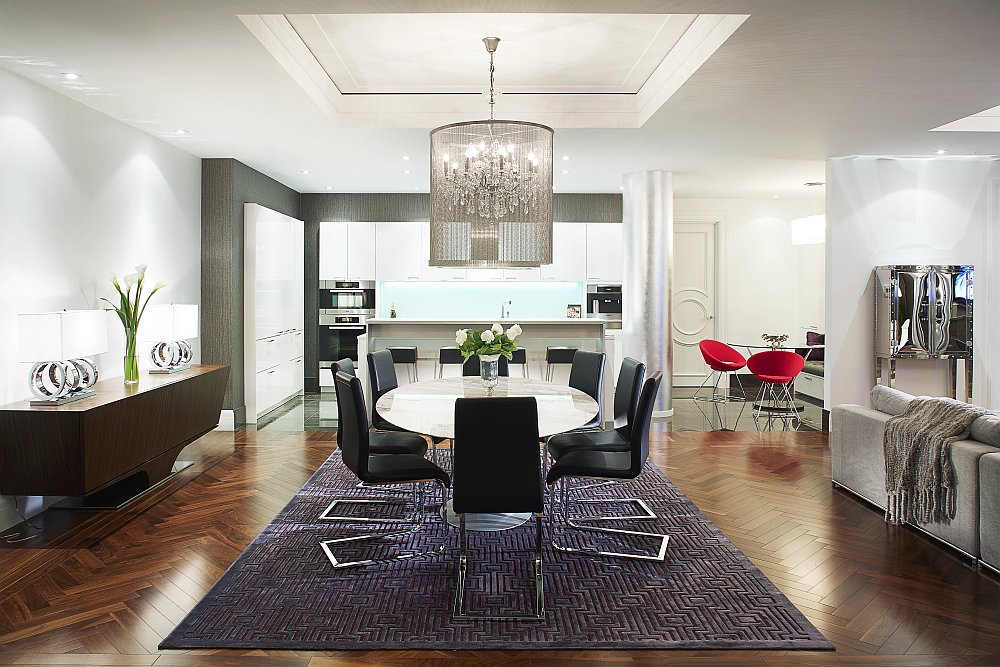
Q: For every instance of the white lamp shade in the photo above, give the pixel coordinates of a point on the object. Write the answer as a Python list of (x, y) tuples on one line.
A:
[(176, 321), (68, 334), (808, 230)]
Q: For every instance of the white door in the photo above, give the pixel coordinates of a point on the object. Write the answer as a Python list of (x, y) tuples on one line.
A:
[(693, 299)]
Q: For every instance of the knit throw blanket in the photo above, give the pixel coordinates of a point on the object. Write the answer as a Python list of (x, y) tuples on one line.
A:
[(919, 477)]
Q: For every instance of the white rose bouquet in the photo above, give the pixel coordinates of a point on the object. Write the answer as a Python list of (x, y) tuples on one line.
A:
[(489, 341)]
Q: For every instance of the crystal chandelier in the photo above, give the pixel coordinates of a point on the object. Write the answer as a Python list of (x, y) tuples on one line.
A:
[(491, 191)]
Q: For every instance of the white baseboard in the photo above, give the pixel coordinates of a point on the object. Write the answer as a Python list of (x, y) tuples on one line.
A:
[(227, 421)]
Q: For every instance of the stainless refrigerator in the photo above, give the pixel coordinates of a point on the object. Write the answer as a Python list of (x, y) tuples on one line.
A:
[(924, 312)]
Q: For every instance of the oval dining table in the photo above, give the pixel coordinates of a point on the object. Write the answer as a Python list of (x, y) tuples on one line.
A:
[(428, 408)]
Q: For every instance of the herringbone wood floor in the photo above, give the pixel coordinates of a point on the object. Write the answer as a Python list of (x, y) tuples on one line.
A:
[(104, 591)]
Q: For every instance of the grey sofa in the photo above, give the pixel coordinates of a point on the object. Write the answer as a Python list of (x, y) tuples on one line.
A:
[(859, 467)]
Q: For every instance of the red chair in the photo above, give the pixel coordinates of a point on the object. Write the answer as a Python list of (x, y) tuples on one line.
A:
[(776, 370), (723, 360)]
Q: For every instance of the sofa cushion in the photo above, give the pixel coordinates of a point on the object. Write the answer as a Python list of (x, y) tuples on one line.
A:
[(986, 429), (890, 401), (816, 338)]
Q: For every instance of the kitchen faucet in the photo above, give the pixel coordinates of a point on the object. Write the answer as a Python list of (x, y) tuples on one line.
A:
[(504, 310)]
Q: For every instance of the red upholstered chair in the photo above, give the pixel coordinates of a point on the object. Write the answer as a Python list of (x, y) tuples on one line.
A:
[(722, 359), (776, 370)]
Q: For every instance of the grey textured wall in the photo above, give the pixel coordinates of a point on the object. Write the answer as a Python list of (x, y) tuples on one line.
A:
[(404, 207), (227, 184)]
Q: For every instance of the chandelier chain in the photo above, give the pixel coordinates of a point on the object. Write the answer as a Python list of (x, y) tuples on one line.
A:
[(492, 95)]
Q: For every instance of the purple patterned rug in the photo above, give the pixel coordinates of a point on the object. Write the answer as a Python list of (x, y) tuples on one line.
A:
[(282, 592)]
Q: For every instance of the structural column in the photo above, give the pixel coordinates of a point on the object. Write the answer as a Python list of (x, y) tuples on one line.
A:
[(648, 217)]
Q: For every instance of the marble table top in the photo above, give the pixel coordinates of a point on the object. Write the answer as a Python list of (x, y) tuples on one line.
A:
[(428, 407)]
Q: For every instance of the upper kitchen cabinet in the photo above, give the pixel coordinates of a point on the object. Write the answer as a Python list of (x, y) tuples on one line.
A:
[(605, 253), (347, 251), (428, 272), (569, 253), (400, 254)]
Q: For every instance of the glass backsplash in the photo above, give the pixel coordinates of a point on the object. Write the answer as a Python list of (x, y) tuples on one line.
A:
[(478, 300)]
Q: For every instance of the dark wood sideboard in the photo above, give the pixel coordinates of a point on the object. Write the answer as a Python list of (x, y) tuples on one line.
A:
[(113, 445)]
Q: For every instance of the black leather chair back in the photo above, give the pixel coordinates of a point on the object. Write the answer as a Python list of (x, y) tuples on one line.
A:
[(352, 429), (345, 365), (644, 415), (497, 465), (382, 375), (471, 367), (587, 375), (627, 392), (342, 366)]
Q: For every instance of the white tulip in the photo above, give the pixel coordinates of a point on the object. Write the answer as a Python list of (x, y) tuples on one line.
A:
[(130, 280), (487, 336), (514, 331), (461, 336), (496, 329), (141, 270)]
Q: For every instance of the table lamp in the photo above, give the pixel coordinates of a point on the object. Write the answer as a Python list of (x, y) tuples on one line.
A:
[(58, 344), (170, 326)]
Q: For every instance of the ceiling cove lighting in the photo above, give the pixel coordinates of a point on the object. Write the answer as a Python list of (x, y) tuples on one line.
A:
[(491, 191)]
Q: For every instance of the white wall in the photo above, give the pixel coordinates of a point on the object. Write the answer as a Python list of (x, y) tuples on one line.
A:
[(81, 195), (760, 288), (905, 211)]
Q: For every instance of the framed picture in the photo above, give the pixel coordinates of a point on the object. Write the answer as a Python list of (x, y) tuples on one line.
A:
[(574, 310)]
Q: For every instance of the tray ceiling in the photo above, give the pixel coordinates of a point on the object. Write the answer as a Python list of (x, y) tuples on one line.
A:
[(565, 70)]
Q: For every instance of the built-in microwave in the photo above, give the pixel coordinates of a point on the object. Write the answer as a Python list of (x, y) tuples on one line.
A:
[(338, 337), (605, 302), (346, 296)]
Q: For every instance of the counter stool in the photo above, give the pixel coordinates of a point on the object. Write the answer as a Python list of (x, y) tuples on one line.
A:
[(520, 358), (448, 356), (408, 356), (557, 355)]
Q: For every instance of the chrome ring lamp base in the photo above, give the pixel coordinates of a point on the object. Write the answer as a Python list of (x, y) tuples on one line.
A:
[(170, 357), (61, 382)]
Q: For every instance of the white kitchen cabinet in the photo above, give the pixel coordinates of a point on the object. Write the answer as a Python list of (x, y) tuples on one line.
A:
[(399, 254), (605, 253), (273, 309), (484, 275), (360, 251), (433, 273), (347, 251), (569, 253), (532, 274), (333, 250)]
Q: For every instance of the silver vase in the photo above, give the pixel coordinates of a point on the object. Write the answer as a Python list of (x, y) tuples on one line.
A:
[(489, 372)]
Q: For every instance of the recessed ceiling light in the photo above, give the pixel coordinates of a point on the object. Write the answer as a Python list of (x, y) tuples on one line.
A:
[(406, 171), (406, 157), (416, 187), (180, 131), (72, 76), (774, 196), (305, 171), (329, 187), (940, 151), (565, 157), (621, 187), (565, 171)]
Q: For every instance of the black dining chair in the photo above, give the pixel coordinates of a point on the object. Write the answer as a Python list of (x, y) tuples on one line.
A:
[(386, 469), (497, 469), (379, 443), (587, 375), (472, 367), (627, 392), (613, 466), (382, 377)]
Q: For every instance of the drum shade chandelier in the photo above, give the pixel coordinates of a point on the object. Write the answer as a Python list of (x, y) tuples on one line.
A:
[(491, 191)]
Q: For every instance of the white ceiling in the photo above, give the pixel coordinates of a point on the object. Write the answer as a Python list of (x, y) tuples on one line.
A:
[(796, 83)]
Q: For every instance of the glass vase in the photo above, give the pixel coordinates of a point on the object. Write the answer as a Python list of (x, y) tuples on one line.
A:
[(131, 362), (489, 371)]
